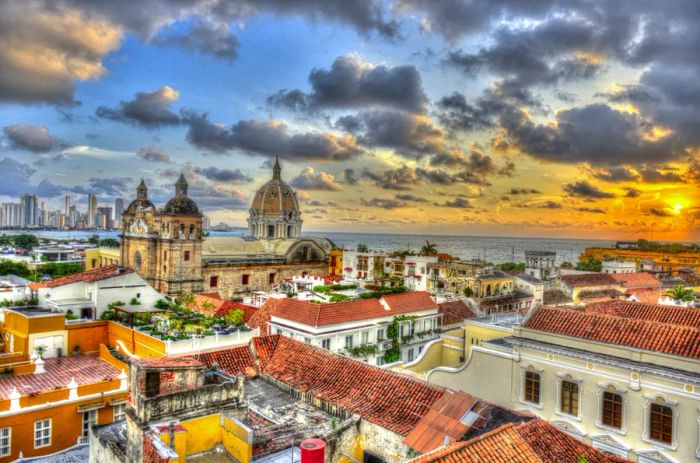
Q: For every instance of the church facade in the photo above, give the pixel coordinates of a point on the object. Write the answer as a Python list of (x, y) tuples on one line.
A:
[(167, 248)]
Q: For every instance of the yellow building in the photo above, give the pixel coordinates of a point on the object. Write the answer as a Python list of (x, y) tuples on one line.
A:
[(101, 257), (667, 262), (335, 262)]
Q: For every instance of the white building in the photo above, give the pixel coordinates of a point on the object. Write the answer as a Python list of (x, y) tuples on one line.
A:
[(363, 328), (374, 266), (532, 286), (619, 266), (88, 294), (541, 264), (13, 288)]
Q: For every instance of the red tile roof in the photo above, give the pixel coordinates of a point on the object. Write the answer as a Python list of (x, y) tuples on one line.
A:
[(668, 329), (262, 316), (599, 294), (646, 295), (85, 368), (90, 276), (454, 312), (169, 362), (637, 280), (533, 442), (393, 401), (589, 279), (212, 304), (314, 314), (235, 361)]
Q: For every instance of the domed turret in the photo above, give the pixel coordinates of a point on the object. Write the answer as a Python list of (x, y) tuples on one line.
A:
[(141, 202), (275, 209), (181, 204)]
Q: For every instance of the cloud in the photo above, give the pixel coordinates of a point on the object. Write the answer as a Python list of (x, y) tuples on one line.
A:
[(659, 175), (354, 83), (539, 205), (147, 109), (592, 210), (660, 212), (384, 203), (309, 179), (584, 189), (223, 175), (402, 178), (213, 39), (34, 138), (16, 176), (268, 138), (616, 174), (458, 203), (523, 191), (410, 197), (633, 193), (153, 154), (350, 177), (46, 47)]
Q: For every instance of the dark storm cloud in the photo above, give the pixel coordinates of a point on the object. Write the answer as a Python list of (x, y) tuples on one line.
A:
[(583, 189), (659, 175), (456, 113), (147, 109), (402, 178), (660, 212), (223, 175), (353, 83), (597, 134), (153, 154), (633, 193), (34, 138), (616, 174), (203, 37), (268, 138), (350, 177)]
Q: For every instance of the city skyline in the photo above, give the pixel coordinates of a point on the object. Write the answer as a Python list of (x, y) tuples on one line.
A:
[(546, 118)]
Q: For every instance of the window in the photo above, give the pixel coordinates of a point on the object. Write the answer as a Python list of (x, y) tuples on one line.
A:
[(370, 457), (569, 398), (365, 337), (89, 419), (271, 278), (5, 441), (165, 255), (661, 423), (380, 334), (348, 342), (410, 355), (532, 387), (244, 279), (612, 409), (119, 412), (326, 344), (152, 383), (187, 256), (213, 281), (42, 433)]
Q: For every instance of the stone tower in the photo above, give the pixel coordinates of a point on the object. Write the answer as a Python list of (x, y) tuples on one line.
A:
[(275, 209)]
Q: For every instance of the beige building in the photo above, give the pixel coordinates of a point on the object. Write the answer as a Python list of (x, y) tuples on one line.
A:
[(622, 376)]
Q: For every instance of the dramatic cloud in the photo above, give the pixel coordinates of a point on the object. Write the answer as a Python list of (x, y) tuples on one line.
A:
[(616, 174), (458, 203), (309, 179), (539, 205), (34, 138), (410, 197), (633, 193), (147, 109), (523, 191), (384, 203), (153, 154), (268, 138), (16, 176), (223, 175), (350, 177), (659, 175), (107, 186), (354, 83), (583, 189), (45, 50), (660, 212), (403, 178), (203, 37), (591, 210)]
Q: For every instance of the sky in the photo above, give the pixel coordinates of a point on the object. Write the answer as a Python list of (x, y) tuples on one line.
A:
[(557, 118)]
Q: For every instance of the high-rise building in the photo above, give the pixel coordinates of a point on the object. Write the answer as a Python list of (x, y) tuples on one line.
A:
[(92, 210), (67, 207), (118, 209), (206, 223), (103, 219), (30, 210), (11, 215)]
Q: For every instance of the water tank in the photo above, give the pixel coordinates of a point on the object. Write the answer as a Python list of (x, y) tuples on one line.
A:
[(312, 451)]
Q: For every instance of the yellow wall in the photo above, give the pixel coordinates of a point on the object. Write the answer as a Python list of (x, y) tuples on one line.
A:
[(101, 257), (667, 261), (136, 342), (335, 256)]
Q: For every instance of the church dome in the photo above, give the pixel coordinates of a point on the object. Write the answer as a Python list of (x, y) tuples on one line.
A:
[(141, 202), (275, 196), (181, 204)]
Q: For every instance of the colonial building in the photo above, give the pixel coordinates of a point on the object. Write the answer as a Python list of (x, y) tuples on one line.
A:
[(166, 246)]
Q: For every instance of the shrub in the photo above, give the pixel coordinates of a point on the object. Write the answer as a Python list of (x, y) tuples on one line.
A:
[(108, 315), (134, 301)]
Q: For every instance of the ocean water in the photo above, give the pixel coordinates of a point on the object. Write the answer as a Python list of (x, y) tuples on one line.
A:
[(488, 248)]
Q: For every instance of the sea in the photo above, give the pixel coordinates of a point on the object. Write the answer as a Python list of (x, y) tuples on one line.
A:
[(487, 248)]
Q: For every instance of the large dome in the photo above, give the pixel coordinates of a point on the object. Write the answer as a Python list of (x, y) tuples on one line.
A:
[(181, 204), (141, 202), (275, 196)]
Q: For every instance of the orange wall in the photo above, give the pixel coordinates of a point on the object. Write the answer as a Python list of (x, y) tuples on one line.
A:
[(47, 323), (87, 335), (138, 343)]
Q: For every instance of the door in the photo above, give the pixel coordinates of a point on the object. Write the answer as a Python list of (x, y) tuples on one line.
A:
[(52, 344)]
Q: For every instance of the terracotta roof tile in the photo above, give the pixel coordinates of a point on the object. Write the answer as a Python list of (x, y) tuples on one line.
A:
[(90, 276), (262, 316), (668, 329), (169, 362), (212, 304), (313, 314), (533, 442), (646, 295), (454, 312), (235, 361), (637, 280), (589, 279)]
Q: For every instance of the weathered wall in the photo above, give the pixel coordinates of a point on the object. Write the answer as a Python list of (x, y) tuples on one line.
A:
[(231, 277)]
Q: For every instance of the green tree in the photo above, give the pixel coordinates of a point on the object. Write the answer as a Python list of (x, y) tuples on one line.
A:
[(510, 266), (567, 265), (591, 265), (234, 317), (13, 267), (59, 269), (109, 243), (468, 292), (428, 249), (26, 241), (361, 247), (681, 293)]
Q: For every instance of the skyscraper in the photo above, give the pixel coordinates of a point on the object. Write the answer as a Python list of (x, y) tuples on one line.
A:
[(104, 218), (30, 210), (92, 210), (118, 209), (67, 208)]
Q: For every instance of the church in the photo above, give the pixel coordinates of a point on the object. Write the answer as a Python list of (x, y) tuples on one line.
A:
[(166, 247)]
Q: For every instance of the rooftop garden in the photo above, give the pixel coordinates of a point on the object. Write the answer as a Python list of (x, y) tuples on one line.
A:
[(176, 320)]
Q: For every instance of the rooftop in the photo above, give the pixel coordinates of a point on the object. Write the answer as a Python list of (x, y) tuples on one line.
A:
[(589, 279), (212, 304), (637, 280), (90, 276), (313, 314), (533, 442), (657, 328), (85, 368), (454, 312)]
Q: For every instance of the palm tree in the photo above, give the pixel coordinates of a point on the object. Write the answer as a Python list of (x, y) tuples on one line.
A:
[(681, 293), (429, 249)]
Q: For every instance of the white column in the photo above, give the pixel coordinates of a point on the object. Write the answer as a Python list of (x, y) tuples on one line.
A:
[(14, 400), (72, 389)]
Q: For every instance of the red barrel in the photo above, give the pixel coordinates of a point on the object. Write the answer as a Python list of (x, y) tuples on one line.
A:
[(312, 451)]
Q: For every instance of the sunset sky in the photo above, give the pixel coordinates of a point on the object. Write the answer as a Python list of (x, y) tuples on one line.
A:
[(504, 117)]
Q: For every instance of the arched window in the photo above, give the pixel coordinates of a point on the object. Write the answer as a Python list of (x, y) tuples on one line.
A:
[(137, 260), (182, 230)]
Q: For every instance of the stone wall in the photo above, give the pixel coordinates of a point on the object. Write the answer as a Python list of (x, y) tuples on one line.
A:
[(373, 438), (230, 277)]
